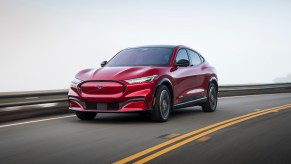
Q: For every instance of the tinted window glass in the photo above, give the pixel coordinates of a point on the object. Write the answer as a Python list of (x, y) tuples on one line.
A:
[(154, 56), (195, 58), (182, 54)]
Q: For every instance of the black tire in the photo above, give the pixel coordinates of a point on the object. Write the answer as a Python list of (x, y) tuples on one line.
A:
[(211, 102), (163, 105), (85, 115)]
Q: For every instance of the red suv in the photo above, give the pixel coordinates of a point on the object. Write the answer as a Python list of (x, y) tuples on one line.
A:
[(152, 79)]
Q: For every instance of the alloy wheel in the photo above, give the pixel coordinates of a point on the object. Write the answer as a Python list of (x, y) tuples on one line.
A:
[(164, 104), (213, 97)]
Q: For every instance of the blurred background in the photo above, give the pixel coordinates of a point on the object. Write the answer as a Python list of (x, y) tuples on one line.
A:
[(44, 43)]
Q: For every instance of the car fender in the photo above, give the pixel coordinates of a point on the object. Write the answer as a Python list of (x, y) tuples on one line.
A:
[(170, 86)]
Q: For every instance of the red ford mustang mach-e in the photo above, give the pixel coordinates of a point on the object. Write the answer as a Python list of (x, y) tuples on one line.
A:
[(153, 79)]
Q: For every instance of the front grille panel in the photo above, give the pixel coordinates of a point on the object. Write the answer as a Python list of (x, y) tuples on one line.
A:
[(102, 88), (102, 106)]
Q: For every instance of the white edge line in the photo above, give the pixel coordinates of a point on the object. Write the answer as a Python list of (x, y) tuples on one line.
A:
[(29, 122)]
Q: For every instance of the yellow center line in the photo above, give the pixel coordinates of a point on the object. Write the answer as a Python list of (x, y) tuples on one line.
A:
[(179, 144), (151, 149)]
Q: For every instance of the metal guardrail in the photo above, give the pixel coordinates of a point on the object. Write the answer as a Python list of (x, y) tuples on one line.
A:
[(4, 95), (237, 90), (20, 101), (10, 99), (254, 86)]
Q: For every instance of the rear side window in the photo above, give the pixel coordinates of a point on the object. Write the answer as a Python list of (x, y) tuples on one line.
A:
[(195, 58), (202, 59), (182, 54)]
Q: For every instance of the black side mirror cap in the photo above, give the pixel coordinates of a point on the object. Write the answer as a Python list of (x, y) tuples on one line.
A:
[(103, 63), (183, 63)]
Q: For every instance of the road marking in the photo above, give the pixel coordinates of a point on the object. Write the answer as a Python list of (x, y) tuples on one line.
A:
[(203, 139), (191, 134), (179, 144), (29, 122)]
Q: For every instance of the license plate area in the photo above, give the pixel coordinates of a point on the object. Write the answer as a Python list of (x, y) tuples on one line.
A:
[(101, 106)]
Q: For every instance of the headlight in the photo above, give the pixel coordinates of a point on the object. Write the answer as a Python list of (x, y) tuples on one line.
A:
[(141, 80), (76, 81)]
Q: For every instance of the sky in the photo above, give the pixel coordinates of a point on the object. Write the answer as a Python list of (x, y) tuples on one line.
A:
[(44, 43)]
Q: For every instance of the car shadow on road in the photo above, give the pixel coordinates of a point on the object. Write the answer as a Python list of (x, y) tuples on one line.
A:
[(129, 118)]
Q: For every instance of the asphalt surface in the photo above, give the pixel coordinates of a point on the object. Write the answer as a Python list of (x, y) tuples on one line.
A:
[(112, 137)]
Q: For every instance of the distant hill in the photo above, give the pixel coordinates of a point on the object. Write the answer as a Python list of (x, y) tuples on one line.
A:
[(283, 79)]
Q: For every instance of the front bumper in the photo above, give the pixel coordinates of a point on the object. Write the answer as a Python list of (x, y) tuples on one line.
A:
[(134, 98)]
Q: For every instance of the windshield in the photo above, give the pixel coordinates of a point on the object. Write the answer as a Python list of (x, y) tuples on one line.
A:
[(154, 56)]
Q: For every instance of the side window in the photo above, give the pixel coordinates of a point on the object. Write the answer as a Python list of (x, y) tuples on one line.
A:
[(195, 58), (202, 58), (182, 54)]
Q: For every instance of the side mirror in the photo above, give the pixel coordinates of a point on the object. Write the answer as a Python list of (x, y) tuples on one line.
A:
[(103, 63), (183, 63)]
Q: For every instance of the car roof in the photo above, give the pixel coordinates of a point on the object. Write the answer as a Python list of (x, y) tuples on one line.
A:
[(156, 46)]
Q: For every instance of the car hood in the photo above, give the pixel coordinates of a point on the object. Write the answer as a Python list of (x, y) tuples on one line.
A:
[(118, 73)]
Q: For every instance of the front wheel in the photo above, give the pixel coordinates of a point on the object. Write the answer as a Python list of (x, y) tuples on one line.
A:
[(85, 115), (163, 105), (211, 103)]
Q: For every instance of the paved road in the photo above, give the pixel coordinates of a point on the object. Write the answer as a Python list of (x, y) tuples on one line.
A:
[(112, 137)]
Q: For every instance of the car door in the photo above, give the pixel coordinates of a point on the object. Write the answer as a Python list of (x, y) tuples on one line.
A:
[(182, 75), (198, 76)]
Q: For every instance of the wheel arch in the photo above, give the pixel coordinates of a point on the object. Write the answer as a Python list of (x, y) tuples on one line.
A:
[(213, 80), (167, 82)]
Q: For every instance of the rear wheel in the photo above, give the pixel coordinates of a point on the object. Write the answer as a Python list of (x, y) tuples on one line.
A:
[(211, 103), (85, 115), (163, 105)]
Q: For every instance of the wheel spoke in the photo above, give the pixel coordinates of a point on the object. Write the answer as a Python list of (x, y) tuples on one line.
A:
[(164, 104), (212, 97)]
